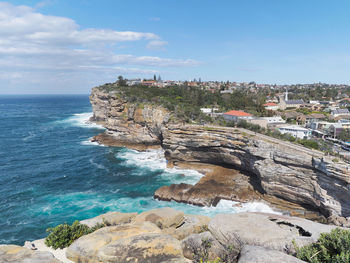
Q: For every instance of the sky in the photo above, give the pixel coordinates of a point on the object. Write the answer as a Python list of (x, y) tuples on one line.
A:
[(65, 46)]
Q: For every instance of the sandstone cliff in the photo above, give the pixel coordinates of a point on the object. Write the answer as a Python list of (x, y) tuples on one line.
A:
[(127, 123), (276, 168)]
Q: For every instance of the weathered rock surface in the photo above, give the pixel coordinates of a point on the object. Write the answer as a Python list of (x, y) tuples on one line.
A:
[(150, 247), (86, 248), (282, 169), (192, 224), (255, 254), (17, 254), (111, 218), (266, 230), (127, 123), (218, 183), (162, 217), (193, 243)]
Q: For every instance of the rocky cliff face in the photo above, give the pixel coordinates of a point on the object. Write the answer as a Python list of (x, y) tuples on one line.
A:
[(284, 170), (279, 169), (127, 123)]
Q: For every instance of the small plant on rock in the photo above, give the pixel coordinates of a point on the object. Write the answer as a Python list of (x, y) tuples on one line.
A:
[(64, 235), (333, 247)]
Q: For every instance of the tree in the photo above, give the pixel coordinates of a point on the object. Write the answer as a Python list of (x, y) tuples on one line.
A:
[(121, 81)]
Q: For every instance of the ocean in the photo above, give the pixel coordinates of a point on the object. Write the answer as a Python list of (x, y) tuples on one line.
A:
[(50, 172)]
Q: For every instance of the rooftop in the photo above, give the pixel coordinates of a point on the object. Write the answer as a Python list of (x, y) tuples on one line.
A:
[(270, 104), (238, 113), (294, 102)]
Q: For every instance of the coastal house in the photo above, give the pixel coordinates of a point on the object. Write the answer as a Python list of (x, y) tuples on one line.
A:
[(296, 131), (308, 119), (148, 82), (340, 112), (235, 115), (268, 122), (271, 106)]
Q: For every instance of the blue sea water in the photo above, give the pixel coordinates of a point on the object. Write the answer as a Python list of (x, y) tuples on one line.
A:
[(50, 173)]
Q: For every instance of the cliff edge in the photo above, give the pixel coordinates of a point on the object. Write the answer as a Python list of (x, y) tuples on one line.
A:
[(269, 167)]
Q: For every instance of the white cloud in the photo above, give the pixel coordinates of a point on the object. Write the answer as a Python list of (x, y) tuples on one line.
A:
[(31, 42), (157, 44)]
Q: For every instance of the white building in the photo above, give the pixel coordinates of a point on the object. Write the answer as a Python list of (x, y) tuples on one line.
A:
[(274, 119), (296, 131), (209, 110)]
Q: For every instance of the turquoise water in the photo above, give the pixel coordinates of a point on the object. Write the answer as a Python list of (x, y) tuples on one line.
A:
[(51, 173)]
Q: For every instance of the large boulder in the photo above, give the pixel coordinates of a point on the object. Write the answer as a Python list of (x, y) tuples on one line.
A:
[(112, 218), (266, 230), (17, 254), (151, 247), (255, 254), (162, 217), (85, 249), (192, 224)]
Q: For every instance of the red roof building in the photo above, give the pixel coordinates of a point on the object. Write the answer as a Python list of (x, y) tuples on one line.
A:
[(270, 104), (238, 113)]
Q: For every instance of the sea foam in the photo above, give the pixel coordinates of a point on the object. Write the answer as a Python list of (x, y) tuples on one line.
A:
[(154, 160), (81, 120)]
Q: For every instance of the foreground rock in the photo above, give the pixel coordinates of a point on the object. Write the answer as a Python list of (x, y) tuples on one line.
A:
[(86, 248), (163, 217), (266, 230), (110, 218), (255, 254), (168, 235), (192, 224), (17, 254), (151, 247)]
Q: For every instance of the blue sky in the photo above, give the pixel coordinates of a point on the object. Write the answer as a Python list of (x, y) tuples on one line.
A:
[(65, 46)]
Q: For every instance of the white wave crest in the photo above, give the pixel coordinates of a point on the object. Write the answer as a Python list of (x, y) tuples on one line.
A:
[(81, 120), (154, 160), (90, 143)]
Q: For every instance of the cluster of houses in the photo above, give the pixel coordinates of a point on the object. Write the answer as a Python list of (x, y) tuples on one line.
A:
[(329, 118), (288, 120)]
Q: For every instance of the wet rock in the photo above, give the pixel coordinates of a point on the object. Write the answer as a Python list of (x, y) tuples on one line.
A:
[(17, 254)]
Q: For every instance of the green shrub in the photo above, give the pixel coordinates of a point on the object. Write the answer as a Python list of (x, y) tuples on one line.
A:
[(333, 247), (64, 235)]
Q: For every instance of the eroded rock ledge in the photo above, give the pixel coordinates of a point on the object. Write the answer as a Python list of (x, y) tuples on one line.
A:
[(267, 167), (168, 235)]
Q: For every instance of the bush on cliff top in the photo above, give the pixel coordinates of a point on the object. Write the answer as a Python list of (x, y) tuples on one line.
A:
[(333, 247), (64, 235)]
